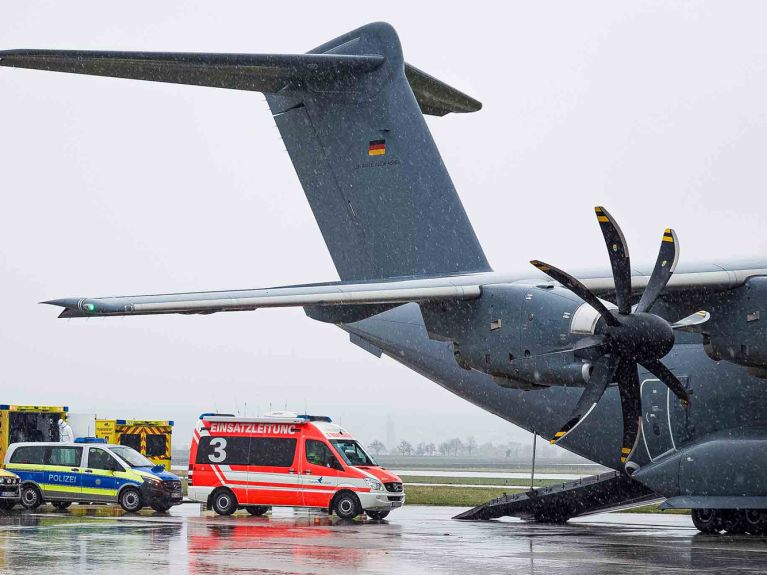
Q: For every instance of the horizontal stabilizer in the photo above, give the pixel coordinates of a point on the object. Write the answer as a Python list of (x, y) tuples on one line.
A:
[(268, 73), (245, 300), (256, 72)]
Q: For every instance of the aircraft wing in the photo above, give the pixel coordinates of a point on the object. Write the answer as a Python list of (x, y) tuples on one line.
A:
[(333, 294)]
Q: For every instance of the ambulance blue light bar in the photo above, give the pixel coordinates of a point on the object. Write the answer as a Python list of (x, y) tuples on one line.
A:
[(213, 414), (90, 440), (324, 418)]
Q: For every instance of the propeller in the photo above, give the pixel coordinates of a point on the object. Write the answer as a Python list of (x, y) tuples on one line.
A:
[(625, 338)]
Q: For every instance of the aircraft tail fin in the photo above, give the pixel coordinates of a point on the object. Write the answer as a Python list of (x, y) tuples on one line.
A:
[(370, 169)]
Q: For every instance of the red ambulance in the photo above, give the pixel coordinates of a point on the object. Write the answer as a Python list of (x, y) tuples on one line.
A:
[(283, 459)]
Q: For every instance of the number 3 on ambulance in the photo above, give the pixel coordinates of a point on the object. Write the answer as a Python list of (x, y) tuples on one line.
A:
[(289, 460)]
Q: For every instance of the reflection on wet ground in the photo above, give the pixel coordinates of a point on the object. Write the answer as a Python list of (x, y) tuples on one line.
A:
[(415, 540)]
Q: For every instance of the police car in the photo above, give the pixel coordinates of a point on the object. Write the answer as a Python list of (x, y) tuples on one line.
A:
[(9, 490), (90, 470)]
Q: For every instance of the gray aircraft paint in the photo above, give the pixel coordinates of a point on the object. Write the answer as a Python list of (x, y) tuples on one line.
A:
[(728, 403)]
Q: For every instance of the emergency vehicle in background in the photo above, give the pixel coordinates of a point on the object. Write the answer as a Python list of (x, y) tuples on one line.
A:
[(283, 459), (29, 423), (151, 438)]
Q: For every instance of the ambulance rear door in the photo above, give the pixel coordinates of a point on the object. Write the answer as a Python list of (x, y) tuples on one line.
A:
[(320, 473)]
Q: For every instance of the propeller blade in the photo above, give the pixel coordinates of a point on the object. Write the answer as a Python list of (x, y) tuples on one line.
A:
[(604, 369), (631, 405), (668, 255), (692, 322), (669, 379), (578, 289), (618, 251)]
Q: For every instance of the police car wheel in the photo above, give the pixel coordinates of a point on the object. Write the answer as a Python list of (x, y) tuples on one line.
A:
[(347, 506), (224, 502), (160, 508), (31, 498), (257, 509), (377, 515), (61, 504), (130, 500)]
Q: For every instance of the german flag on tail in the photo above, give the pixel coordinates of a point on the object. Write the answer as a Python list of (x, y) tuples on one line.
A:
[(377, 148)]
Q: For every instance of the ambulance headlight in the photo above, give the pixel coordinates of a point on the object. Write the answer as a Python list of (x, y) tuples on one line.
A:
[(374, 484)]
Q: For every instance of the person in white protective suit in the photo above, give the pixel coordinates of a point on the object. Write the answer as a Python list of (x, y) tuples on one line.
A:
[(66, 435)]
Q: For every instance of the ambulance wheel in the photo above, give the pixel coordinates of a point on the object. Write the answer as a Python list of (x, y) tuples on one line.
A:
[(224, 502), (61, 505), (161, 507), (130, 500), (707, 520), (31, 498), (257, 509), (347, 505), (7, 505), (377, 515)]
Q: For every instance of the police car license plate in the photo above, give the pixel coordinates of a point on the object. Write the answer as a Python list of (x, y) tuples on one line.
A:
[(176, 495), (396, 503), (8, 494)]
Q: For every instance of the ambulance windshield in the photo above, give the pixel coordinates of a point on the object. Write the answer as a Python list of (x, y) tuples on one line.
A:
[(131, 456), (352, 452)]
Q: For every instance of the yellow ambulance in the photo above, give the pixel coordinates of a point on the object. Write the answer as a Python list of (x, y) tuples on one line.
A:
[(29, 423), (151, 438)]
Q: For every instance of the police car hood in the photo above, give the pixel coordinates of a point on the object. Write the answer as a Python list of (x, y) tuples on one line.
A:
[(379, 473), (164, 475)]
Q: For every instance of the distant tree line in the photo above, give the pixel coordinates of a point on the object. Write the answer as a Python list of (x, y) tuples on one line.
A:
[(452, 447)]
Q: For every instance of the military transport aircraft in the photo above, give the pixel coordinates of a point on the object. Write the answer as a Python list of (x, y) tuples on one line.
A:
[(659, 375)]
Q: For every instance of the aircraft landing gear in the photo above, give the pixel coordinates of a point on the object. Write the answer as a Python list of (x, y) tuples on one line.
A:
[(731, 521)]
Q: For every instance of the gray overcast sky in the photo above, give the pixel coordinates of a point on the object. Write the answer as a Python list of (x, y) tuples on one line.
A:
[(114, 187)]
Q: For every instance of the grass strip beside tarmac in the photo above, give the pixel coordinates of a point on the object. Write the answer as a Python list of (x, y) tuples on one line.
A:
[(484, 481), (453, 496)]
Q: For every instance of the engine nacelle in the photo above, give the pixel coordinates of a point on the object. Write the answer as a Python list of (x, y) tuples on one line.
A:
[(504, 332), (736, 332)]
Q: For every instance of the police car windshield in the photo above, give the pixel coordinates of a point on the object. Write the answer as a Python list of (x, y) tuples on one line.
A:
[(131, 456), (352, 452)]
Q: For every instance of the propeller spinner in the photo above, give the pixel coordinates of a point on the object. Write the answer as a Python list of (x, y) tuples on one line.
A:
[(626, 337)]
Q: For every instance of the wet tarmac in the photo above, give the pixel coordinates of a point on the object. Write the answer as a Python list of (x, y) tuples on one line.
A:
[(415, 540)]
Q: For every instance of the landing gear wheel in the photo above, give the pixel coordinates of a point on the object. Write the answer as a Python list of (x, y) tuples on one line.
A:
[(160, 507), (224, 502), (707, 520), (734, 521), (347, 505), (31, 498), (756, 521), (377, 515), (7, 505), (257, 510), (130, 500), (61, 505)]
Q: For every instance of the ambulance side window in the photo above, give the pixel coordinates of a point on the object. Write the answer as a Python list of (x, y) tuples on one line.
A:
[(272, 451), (317, 453), (223, 450)]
